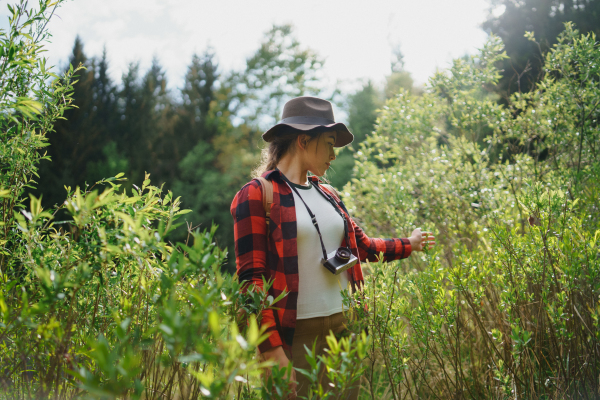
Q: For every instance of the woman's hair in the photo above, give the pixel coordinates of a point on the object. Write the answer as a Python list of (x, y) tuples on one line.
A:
[(278, 147)]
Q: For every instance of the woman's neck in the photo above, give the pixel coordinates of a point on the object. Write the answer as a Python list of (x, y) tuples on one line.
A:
[(292, 168)]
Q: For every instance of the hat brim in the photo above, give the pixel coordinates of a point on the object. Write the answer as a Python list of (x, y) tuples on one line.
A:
[(344, 136)]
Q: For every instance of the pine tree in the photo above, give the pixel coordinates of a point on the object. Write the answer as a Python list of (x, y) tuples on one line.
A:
[(156, 114), (106, 116), (105, 94), (198, 93), (130, 114), (78, 139), (198, 178), (144, 106), (155, 155)]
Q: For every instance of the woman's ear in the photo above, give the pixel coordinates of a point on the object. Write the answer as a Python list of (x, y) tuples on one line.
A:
[(302, 141)]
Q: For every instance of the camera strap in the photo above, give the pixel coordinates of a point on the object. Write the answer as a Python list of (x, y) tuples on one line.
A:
[(314, 218)]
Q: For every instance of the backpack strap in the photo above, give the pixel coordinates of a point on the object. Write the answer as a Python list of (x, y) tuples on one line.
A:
[(336, 196), (332, 191), (267, 192)]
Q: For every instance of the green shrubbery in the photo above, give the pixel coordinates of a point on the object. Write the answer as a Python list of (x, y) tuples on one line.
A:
[(100, 305), (507, 307)]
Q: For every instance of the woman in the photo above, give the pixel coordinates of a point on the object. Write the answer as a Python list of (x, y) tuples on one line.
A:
[(307, 223)]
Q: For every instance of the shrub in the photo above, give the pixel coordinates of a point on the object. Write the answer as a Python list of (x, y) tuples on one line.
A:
[(507, 307), (100, 305)]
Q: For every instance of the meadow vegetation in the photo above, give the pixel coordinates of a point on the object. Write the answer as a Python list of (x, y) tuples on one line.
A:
[(508, 306), (102, 305)]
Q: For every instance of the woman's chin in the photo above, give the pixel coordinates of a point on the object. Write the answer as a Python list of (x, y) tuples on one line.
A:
[(318, 172)]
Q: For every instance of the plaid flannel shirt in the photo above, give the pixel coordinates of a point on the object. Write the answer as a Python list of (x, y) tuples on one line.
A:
[(276, 257)]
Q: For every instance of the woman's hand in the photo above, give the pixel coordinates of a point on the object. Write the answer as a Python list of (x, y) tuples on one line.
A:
[(278, 355), (420, 241)]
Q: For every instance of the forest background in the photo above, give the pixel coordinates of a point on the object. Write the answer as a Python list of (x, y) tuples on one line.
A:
[(101, 297), (203, 140)]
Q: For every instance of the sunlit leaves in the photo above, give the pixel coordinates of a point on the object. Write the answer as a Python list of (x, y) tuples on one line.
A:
[(511, 192)]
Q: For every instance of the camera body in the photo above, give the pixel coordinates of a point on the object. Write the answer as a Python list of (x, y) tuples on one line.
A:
[(339, 260)]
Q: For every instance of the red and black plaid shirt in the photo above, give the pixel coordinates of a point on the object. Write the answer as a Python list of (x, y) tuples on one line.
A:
[(276, 257)]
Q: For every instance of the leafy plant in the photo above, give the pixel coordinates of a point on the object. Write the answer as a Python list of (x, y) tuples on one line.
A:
[(506, 307), (100, 305)]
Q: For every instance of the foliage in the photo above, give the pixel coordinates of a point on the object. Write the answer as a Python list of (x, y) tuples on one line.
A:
[(100, 305), (144, 126), (31, 99), (507, 307), (279, 70), (120, 310), (363, 109), (545, 18), (340, 365), (83, 131)]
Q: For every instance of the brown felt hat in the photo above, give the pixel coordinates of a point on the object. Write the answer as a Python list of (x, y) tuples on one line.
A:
[(308, 114)]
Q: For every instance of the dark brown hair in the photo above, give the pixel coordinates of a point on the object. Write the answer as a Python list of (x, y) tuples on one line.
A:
[(278, 147)]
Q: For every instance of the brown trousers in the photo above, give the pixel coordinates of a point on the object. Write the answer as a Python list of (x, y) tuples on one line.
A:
[(307, 330)]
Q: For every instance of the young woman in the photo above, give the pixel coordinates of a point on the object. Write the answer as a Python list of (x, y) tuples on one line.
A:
[(307, 223)]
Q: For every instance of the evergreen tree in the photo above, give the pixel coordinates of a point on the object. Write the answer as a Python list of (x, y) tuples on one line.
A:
[(131, 116), (78, 138), (105, 94), (145, 110), (198, 93), (156, 111), (106, 115), (153, 154), (199, 179)]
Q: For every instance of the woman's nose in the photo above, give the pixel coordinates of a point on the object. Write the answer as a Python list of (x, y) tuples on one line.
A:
[(332, 155)]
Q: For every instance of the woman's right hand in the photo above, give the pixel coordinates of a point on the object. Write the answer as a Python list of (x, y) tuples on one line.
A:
[(278, 355), (420, 241)]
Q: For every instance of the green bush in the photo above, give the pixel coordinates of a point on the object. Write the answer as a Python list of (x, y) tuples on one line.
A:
[(100, 305), (507, 306)]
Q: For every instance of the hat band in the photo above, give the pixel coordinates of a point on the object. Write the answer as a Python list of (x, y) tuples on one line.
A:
[(307, 121)]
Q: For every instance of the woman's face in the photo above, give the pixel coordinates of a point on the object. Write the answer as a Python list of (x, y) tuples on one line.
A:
[(319, 154)]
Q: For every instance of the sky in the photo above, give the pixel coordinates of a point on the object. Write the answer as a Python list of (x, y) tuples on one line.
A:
[(354, 37)]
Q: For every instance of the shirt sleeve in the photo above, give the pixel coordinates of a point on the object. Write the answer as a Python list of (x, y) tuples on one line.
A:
[(250, 235), (370, 248)]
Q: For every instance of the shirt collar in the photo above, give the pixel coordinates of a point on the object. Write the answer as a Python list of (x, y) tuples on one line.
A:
[(270, 174)]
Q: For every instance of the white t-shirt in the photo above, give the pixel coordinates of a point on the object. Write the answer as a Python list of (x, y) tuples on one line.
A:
[(318, 289)]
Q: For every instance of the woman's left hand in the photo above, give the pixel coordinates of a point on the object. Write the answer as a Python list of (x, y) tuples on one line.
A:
[(420, 241)]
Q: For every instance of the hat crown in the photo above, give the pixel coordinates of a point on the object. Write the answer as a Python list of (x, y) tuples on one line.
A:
[(307, 106), (309, 114)]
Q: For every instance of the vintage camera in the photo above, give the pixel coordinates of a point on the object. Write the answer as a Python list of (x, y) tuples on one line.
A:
[(339, 260)]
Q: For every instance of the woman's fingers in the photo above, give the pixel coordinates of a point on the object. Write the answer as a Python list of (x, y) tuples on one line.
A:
[(428, 241), (422, 240)]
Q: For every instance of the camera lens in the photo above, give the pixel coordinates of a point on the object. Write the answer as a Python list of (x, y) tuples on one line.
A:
[(342, 254)]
